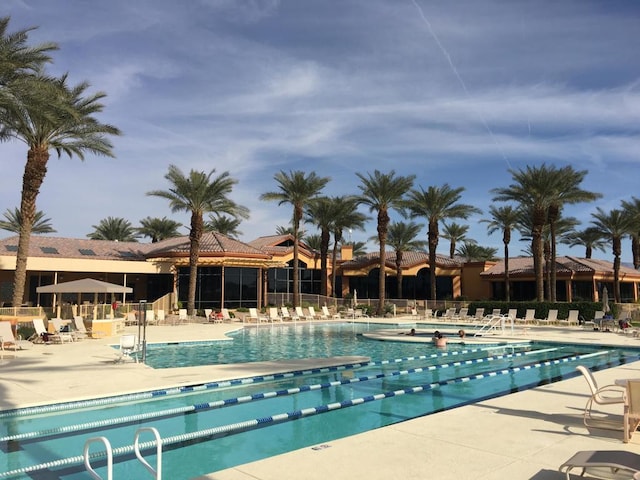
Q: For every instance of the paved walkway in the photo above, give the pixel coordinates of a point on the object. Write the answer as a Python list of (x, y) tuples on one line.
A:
[(526, 435)]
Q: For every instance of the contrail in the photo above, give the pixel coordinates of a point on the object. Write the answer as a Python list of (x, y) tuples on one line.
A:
[(459, 77)]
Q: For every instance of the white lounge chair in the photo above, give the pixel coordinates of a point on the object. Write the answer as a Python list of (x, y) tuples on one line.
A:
[(479, 315), (226, 317), (274, 315), (327, 314), (150, 317), (41, 331), (631, 409), (161, 317), (552, 318), (529, 317), (131, 319), (80, 330), (302, 315), (7, 338), (256, 317), (607, 395), (59, 327), (572, 319), (288, 316), (313, 314), (182, 315), (207, 314)]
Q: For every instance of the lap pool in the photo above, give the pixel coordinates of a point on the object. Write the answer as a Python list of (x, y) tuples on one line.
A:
[(212, 426)]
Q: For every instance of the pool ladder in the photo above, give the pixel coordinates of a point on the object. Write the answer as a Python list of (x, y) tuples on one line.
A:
[(155, 472)]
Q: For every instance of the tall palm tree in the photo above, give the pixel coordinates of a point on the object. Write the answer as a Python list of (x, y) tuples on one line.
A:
[(345, 217), (13, 222), (382, 192), (223, 224), (504, 219), (359, 248), (437, 204), (533, 189), (158, 228), (297, 189), (614, 225), (590, 238), (402, 238), (320, 212), (454, 232), (50, 115), (632, 208), (566, 191), (199, 193), (115, 229)]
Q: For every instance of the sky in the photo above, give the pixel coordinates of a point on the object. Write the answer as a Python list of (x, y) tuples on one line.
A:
[(457, 93)]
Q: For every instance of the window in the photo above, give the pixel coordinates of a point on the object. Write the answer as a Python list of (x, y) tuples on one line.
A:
[(49, 250), (11, 248), (86, 251)]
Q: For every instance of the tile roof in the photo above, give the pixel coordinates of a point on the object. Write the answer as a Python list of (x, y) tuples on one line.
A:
[(211, 243), (57, 247), (409, 259), (523, 266), (271, 244)]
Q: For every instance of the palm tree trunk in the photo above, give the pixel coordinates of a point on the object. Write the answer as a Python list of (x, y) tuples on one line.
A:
[(617, 250), (296, 261), (547, 269), (324, 253), (553, 212), (433, 245), (194, 253), (539, 218), (399, 272), (635, 250), (383, 224), (507, 286), (34, 173)]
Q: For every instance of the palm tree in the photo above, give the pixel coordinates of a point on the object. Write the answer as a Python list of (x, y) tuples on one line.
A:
[(454, 232), (198, 193), (359, 248), (296, 189), (590, 238), (345, 216), (158, 228), (402, 238), (115, 229), (505, 219), (472, 252), (50, 114), (381, 193), (614, 225), (320, 212), (223, 224), (533, 189), (436, 204), (566, 191), (13, 222), (632, 208)]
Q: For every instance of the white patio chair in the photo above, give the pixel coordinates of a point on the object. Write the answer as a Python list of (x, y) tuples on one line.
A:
[(607, 395)]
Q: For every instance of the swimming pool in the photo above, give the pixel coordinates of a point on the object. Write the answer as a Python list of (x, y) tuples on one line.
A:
[(214, 426)]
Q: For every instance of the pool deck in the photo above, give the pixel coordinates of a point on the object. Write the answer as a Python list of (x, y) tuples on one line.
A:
[(526, 435)]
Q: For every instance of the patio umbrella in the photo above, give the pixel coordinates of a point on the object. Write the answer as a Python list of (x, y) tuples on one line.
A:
[(605, 300)]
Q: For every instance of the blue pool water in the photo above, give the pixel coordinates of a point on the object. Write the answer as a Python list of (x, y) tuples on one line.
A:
[(213, 426)]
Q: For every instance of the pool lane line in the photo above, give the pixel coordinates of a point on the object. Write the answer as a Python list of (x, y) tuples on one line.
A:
[(58, 407), (283, 417), (200, 407)]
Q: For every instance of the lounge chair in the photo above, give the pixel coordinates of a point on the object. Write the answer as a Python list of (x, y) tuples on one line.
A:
[(59, 330), (226, 317), (207, 314), (496, 312), (326, 314), (313, 314), (161, 317), (43, 334), (572, 319), (552, 318), (131, 319), (274, 315), (288, 316), (613, 464), (607, 395), (256, 317), (150, 317), (479, 315), (80, 331), (631, 409), (449, 314), (462, 314), (302, 315), (7, 339), (182, 315), (529, 317)]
